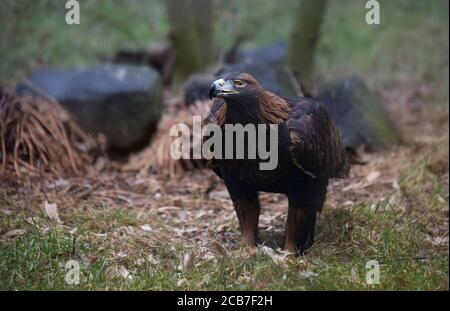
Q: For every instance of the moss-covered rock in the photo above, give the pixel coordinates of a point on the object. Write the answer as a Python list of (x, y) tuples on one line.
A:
[(359, 114)]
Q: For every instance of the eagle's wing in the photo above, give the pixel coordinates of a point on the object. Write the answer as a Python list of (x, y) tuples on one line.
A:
[(216, 113), (315, 142), (216, 116)]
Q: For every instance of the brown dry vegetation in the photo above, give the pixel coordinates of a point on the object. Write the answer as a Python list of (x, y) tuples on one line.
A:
[(39, 138), (161, 205)]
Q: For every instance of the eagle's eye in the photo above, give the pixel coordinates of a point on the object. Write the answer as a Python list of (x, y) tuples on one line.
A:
[(239, 83)]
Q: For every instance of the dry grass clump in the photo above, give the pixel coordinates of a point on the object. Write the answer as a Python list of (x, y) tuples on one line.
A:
[(156, 157), (37, 136)]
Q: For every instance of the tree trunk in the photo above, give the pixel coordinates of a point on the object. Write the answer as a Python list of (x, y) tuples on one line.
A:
[(184, 39), (303, 41), (203, 20)]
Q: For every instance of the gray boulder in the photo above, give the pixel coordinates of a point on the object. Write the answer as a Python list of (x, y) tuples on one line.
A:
[(123, 102), (359, 114), (197, 87), (266, 64)]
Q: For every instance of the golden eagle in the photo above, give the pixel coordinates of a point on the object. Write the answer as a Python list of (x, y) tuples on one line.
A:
[(310, 152)]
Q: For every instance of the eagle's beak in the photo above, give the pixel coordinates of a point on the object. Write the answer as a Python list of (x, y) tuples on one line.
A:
[(221, 88)]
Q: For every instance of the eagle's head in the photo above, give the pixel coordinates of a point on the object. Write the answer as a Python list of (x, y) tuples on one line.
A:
[(235, 86), (247, 101)]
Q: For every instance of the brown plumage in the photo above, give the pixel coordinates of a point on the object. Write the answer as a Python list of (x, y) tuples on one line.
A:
[(310, 152)]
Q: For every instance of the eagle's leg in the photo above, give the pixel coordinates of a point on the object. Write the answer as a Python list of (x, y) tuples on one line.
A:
[(300, 225), (247, 210)]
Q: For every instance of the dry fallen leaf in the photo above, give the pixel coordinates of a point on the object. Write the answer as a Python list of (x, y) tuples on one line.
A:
[(439, 240), (308, 274), (181, 282), (373, 176), (13, 233), (219, 248), (188, 260), (51, 210), (120, 271), (121, 254), (352, 186), (146, 227), (279, 260), (124, 273)]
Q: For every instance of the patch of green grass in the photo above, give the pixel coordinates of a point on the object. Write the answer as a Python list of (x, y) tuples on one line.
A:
[(423, 188), (347, 239)]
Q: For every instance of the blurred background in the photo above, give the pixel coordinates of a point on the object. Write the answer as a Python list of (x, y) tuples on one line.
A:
[(411, 43), (291, 48)]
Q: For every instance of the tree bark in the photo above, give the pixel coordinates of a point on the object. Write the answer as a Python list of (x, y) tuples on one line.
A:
[(303, 41), (184, 39), (203, 20)]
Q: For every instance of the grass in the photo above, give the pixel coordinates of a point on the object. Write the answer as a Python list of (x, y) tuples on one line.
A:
[(347, 239), (407, 234)]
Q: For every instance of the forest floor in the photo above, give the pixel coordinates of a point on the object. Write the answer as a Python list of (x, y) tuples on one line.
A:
[(144, 232), (141, 231)]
